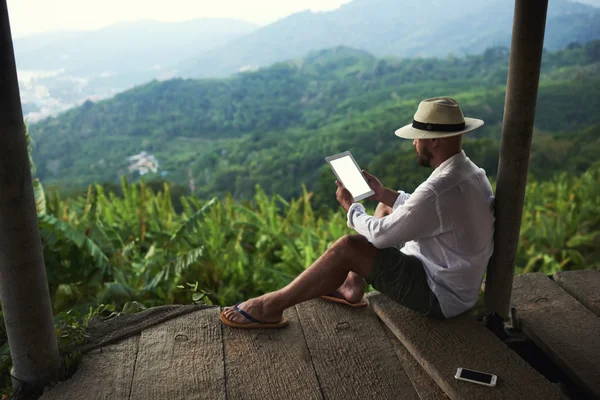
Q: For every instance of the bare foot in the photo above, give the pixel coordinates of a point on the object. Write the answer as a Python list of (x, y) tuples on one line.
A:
[(353, 288), (256, 308)]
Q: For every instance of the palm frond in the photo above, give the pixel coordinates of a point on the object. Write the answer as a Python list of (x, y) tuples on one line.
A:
[(53, 229), (190, 225), (40, 197)]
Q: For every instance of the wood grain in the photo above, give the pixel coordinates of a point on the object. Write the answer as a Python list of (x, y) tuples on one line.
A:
[(181, 359), (352, 355), (103, 374), (442, 347), (561, 326), (426, 387), (269, 363), (583, 285)]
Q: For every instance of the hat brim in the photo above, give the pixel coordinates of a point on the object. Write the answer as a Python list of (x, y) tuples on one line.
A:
[(408, 132)]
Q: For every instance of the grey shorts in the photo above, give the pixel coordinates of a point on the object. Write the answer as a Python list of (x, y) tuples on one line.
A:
[(402, 278)]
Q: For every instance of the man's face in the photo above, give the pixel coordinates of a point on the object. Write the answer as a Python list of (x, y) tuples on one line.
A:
[(424, 154)]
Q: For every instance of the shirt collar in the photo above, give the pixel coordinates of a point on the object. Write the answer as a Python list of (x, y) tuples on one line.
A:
[(449, 163)]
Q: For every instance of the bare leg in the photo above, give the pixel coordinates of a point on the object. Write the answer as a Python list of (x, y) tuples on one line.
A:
[(353, 288), (350, 253)]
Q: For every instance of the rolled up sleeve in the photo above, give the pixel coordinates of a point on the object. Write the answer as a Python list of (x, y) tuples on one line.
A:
[(413, 217), (402, 197)]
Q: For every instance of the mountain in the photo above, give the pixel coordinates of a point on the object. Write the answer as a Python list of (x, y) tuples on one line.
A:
[(60, 70), (126, 47), (273, 127), (393, 27), (68, 67)]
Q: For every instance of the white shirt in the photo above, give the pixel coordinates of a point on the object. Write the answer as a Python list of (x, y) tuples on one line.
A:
[(448, 223)]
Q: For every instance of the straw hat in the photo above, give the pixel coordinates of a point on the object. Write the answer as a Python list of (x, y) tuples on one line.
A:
[(438, 117)]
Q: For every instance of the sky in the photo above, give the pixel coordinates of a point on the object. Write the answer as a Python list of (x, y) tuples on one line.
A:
[(36, 16)]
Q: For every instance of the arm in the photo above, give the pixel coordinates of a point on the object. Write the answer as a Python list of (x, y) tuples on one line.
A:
[(416, 218), (388, 197), (382, 194)]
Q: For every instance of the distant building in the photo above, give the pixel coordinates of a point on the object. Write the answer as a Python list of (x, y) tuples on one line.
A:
[(143, 163)]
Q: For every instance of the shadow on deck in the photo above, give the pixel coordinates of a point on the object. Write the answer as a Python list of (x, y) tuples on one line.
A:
[(328, 351)]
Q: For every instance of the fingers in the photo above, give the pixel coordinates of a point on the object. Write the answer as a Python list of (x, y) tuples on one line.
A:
[(338, 183)]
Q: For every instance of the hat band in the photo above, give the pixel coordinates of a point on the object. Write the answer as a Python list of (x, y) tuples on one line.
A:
[(438, 127)]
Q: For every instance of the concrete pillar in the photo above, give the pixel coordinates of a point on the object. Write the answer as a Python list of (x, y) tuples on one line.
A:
[(23, 286), (519, 112)]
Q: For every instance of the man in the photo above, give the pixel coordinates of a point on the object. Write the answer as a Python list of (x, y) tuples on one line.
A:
[(427, 251)]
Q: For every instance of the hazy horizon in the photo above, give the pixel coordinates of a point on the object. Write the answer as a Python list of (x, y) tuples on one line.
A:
[(30, 17)]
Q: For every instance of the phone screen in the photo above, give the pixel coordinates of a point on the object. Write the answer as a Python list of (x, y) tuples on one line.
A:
[(351, 177), (476, 376)]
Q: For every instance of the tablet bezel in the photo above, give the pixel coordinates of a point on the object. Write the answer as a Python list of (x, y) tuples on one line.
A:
[(345, 154)]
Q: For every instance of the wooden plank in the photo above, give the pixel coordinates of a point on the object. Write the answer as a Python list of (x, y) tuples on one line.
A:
[(562, 327), (181, 359), (269, 363), (583, 285), (102, 332), (103, 374), (426, 387), (442, 347), (351, 353)]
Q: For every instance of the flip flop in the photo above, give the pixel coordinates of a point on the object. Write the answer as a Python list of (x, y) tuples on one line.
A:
[(256, 324), (337, 298)]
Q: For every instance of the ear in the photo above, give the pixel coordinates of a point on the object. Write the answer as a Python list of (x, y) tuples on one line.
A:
[(435, 142)]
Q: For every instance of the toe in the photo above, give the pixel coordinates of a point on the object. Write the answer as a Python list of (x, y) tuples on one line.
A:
[(228, 312), (234, 316)]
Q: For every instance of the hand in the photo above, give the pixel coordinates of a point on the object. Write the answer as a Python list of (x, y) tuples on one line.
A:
[(343, 196), (374, 183)]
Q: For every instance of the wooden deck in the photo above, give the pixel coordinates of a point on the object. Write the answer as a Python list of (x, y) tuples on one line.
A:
[(562, 322), (328, 351)]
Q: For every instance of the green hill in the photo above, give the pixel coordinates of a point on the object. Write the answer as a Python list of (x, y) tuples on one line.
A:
[(407, 28), (273, 127)]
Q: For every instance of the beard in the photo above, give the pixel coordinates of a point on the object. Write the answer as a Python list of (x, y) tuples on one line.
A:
[(424, 158)]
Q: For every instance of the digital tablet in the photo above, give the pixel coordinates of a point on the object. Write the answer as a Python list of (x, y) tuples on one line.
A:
[(350, 175)]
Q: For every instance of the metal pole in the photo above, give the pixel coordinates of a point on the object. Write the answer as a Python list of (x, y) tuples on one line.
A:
[(23, 286), (519, 113)]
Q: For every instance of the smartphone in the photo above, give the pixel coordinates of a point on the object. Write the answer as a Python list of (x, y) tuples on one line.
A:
[(481, 378)]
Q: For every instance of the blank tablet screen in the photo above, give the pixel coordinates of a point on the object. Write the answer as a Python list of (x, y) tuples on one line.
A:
[(350, 176)]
